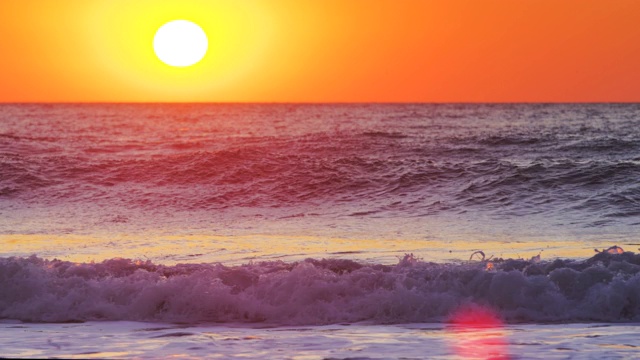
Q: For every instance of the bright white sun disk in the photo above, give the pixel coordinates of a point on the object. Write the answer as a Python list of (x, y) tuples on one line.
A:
[(180, 43)]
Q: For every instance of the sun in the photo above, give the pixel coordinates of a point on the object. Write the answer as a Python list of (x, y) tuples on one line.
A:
[(180, 43)]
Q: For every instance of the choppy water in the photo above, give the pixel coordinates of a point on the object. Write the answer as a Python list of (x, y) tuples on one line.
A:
[(225, 212), (570, 167)]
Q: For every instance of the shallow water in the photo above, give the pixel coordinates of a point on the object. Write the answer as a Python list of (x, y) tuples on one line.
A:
[(341, 341)]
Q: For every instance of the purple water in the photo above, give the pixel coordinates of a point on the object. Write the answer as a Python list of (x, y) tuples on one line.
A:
[(283, 215)]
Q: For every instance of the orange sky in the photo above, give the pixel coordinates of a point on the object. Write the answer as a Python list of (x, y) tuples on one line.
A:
[(325, 51)]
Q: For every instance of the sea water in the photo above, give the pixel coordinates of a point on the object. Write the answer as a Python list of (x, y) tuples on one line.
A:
[(320, 231)]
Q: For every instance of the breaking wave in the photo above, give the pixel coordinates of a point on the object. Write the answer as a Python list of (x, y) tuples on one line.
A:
[(605, 287)]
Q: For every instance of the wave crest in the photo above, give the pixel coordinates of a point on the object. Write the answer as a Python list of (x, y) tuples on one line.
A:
[(605, 287)]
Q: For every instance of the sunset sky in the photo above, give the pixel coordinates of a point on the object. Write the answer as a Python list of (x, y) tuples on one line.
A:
[(324, 51)]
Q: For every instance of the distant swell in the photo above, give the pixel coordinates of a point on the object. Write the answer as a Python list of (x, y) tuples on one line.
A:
[(605, 287)]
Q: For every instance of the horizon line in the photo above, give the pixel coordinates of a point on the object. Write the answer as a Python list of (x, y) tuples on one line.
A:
[(313, 102)]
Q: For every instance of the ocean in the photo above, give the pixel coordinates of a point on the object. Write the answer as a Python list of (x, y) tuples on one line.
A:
[(320, 231)]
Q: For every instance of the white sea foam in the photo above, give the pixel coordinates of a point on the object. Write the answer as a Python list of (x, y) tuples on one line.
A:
[(605, 287)]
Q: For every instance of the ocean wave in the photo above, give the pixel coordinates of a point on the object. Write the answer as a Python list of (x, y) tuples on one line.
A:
[(605, 287), (385, 134), (609, 145), (575, 163), (590, 187), (251, 176)]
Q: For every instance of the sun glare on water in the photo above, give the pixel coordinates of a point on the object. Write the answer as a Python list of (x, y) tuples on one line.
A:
[(180, 43)]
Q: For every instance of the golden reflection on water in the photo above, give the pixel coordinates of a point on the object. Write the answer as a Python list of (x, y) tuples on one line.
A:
[(476, 332), (480, 343), (238, 249)]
